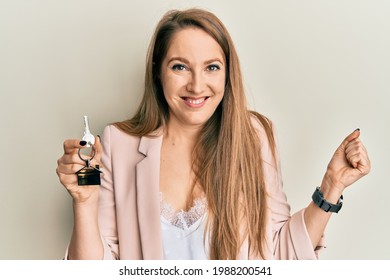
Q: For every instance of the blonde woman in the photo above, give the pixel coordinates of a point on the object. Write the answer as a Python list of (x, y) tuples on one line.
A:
[(194, 174)]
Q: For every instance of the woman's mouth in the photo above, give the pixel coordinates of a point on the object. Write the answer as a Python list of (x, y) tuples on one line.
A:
[(195, 102)]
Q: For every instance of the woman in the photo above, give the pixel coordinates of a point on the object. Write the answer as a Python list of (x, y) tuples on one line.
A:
[(194, 174)]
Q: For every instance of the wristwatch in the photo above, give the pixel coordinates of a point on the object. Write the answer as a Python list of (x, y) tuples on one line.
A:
[(319, 200)]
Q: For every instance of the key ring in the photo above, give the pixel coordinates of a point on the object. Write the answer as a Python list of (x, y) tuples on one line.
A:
[(87, 161), (88, 175)]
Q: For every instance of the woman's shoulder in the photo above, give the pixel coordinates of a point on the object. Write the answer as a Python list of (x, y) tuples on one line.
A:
[(262, 124), (267, 136), (119, 139), (114, 132), (114, 138)]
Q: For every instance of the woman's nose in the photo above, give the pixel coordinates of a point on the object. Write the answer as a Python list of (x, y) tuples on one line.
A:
[(196, 83)]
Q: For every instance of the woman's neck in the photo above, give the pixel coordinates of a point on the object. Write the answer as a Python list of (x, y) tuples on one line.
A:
[(179, 134)]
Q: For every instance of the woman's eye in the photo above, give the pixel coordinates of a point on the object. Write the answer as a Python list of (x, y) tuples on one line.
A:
[(213, 67), (178, 67)]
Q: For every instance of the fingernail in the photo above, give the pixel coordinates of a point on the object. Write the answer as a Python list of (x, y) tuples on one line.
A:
[(83, 143), (357, 129), (100, 139)]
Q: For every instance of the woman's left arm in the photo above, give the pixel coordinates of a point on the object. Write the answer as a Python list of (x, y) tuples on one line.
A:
[(349, 163)]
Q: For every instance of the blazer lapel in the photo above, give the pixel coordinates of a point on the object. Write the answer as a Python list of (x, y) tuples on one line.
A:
[(148, 198)]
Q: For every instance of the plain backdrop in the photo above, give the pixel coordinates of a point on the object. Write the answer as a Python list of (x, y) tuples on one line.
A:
[(318, 69)]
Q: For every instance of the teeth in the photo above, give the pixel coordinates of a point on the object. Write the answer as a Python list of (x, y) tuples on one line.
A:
[(195, 101)]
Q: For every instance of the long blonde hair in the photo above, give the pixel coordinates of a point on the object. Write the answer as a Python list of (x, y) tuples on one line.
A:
[(227, 159)]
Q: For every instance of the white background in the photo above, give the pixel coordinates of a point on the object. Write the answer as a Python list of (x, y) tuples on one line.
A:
[(318, 69)]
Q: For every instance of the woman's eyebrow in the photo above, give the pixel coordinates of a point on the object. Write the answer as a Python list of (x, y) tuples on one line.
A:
[(179, 58), (214, 60), (182, 59)]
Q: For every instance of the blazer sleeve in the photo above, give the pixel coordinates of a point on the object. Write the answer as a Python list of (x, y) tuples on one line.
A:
[(290, 239), (107, 213)]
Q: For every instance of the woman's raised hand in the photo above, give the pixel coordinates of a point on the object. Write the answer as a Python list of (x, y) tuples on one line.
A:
[(70, 163), (349, 163)]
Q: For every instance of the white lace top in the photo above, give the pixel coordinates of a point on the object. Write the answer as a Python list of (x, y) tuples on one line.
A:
[(183, 232)]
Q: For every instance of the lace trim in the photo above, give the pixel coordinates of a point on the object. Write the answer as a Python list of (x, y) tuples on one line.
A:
[(183, 219)]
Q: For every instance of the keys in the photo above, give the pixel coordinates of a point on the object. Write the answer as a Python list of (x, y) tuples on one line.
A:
[(88, 175), (88, 136)]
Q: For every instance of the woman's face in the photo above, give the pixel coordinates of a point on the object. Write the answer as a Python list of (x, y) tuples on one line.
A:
[(193, 77)]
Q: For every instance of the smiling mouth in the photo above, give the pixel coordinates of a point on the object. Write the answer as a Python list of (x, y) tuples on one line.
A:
[(195, 102)]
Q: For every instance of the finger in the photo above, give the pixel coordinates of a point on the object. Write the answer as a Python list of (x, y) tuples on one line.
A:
[(67, 172), (354, 135), (354, 158), (357, 146), (98, 152), (70, 162), (69, 169), (74, 158), (72, 145), (71, 159), (355, 151), (354, 145), (360, 163), (66, 179), (98, 146)]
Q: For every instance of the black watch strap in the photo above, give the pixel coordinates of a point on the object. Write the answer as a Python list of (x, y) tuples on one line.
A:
[(319, 200)]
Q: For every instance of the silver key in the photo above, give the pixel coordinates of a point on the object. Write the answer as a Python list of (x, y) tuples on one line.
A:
[(88, 136)]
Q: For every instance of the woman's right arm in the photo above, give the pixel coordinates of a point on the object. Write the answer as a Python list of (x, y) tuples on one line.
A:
[(86, 242)]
